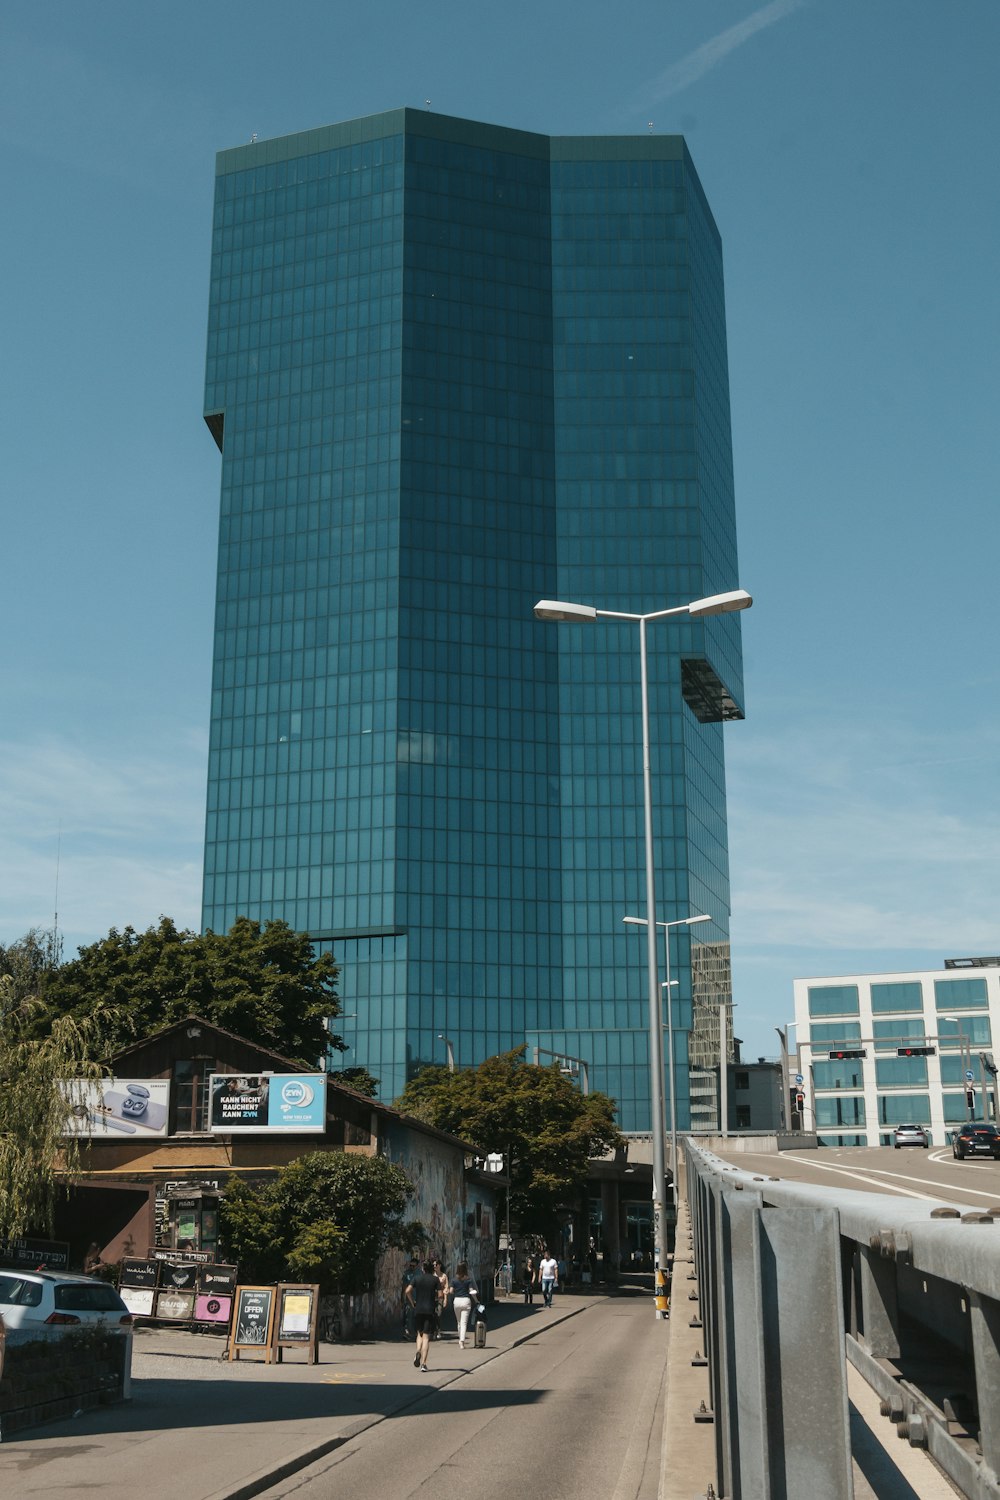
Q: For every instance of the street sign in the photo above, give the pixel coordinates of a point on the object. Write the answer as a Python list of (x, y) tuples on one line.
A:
[(969, 1074), (799, 1078)]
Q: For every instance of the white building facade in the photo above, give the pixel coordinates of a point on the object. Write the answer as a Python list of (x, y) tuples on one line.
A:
[(879, 1050)]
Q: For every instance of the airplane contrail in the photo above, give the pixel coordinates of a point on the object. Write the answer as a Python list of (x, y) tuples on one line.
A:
[(680, 75)]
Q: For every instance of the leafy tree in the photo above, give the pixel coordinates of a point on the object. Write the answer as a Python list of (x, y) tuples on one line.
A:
[(36, 1159), (262, 981), (358, 1079), (533, 1115), (326, 1217), (25, 968)]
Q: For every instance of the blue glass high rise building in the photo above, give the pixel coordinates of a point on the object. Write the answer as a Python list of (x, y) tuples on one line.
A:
[(454, 368)]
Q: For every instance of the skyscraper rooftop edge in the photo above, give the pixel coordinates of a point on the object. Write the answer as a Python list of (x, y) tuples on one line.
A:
[(623, 147)]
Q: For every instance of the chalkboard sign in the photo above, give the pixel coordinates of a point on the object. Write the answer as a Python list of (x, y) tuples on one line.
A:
[(253, 1321), (296, 1323)]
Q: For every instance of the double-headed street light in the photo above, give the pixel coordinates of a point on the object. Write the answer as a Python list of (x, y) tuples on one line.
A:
[(715, 604), (681, 922)]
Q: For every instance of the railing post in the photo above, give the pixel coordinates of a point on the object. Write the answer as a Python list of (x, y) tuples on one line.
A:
[(787, 1409), (984, 1316), (742, 1412), (879, 1309)]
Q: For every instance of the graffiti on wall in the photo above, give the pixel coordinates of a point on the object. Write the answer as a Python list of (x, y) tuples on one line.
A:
[(459, 1217)]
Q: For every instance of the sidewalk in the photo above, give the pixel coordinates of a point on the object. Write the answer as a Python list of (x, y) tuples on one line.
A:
[(207, 1429)]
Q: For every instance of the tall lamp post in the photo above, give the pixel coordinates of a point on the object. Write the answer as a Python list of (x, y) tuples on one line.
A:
[(666, 926), (716, 604), (965, 1049)]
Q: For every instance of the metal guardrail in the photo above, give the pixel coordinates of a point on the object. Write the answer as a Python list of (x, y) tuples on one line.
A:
[(794, 1280)]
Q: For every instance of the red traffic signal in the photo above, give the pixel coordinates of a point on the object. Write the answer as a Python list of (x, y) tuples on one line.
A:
[(915, 1051), (970, 1097), (855, 1052)]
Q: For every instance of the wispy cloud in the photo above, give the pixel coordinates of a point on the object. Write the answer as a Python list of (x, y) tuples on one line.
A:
[(847, 840), (124, 823), (680, 75)]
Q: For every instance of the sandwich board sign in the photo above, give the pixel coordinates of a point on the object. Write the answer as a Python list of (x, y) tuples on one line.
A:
[(253, 1321), (296, 1321)]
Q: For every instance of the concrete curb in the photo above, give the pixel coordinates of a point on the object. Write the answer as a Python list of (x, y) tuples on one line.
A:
[(275, 1473), (687, 1454)]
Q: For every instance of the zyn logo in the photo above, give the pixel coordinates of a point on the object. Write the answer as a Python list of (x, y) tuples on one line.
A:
[(296, 1094)]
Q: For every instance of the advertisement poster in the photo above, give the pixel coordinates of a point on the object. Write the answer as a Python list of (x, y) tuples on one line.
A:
[(268, 1103), (218, 1280), (213, 1309), (175, 1304), (138, 1300), (139, 1272), (110, 1108), (182, 1278)]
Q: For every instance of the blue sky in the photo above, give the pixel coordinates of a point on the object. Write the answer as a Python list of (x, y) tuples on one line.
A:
[(848, 148)]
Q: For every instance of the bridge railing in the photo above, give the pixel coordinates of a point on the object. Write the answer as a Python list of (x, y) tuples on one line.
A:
[(794, 1280)]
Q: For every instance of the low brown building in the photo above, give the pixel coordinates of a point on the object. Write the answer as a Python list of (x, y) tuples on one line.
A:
[(159, 1154)]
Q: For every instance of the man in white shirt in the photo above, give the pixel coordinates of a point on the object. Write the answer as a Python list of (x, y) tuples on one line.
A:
[(548, 1275)]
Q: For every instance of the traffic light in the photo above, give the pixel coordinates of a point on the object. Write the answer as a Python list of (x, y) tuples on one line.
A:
[(839, 1056), (970, 1097), (986, 1058), (915, 1051)]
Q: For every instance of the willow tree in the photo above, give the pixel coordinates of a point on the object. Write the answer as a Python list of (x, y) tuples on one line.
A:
[(38, 1159)]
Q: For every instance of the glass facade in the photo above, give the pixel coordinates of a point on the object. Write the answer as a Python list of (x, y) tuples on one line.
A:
[(453, 369)]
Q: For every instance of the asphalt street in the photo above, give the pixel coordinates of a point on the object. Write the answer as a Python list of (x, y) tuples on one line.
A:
[(573, 1413), (207, 1429)]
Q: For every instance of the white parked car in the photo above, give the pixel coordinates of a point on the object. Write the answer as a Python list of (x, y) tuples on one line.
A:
[(29, 1299)]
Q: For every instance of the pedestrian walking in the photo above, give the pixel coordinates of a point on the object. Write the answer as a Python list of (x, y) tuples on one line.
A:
[(548, 1273), (463, 1292), (423, 1292), (410, 1273), (442, 1276), (529, 1279)]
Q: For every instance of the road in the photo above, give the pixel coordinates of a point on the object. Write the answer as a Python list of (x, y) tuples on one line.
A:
[(931, 1175), (573, 1413)]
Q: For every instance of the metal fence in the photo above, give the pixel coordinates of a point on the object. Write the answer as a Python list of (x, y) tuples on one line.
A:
[(793, 1281)]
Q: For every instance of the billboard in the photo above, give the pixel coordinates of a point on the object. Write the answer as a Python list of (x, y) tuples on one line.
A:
[(268, 1103), (108, 1108)]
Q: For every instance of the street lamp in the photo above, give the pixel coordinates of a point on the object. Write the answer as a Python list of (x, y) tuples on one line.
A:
[(965, 1049), (681, 922), (566, 1066), (785, 1070), (715, 604), (449, 1049)]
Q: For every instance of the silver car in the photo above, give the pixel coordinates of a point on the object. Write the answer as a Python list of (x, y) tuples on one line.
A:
[(910, 1135)]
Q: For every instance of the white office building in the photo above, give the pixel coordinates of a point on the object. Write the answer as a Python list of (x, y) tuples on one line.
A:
[(878, 1050)]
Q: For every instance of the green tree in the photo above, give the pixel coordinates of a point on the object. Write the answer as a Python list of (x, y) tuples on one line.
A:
[(358, 1079), (533, 1115), (25, 969), (37, 1158), (326, 1217), (262, 981)]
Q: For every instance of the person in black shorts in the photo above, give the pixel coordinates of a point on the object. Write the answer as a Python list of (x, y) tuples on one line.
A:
[(423, 1293)]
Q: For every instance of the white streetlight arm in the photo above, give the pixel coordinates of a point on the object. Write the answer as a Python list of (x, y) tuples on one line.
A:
[(680, 922), (713, 604)]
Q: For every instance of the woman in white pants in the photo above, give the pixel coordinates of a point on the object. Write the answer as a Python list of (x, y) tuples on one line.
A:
[(462, 1291)]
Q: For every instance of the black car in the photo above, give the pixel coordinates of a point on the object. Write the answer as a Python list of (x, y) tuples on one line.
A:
[(975, 1140)]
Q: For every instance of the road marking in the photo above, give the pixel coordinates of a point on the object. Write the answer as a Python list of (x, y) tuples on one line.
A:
[(350, 1379), (858, 1173)]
